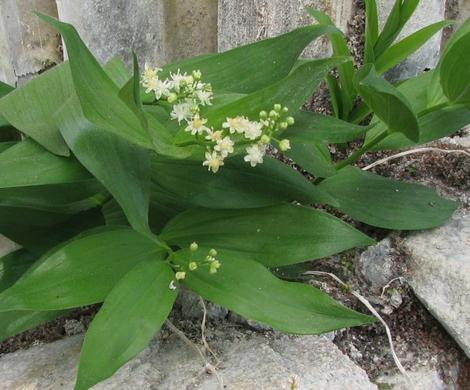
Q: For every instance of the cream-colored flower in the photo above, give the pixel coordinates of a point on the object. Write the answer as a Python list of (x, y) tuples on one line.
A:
[(180, 275), (284, 145), (161, 88), (236, 125), (214, 136), (178, 80), (196, 125), (224, 146), (253, 130), (204, 97), (182, 111), (255, 154), (213, 161)]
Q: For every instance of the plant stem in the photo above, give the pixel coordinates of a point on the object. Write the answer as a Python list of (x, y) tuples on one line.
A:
[(358, 153)]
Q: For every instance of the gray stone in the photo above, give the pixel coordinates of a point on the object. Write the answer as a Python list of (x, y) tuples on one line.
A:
[(249, 361), (27, 45), (246, 21), (424, 378), (439, 273), (376, 264), (158, 31), (191, 307), (427, 12)]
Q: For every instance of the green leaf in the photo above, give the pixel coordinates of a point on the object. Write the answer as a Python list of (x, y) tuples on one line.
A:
[(249, 289), (5, 89), (14, 322), (398, 17), (387, 102), (311, 127), (315, 158), (122, 167), (13, 266), (4, 145), (276, 235), (131, 314), (400, 51), (96, 91), (48, 91), (252, 67), (237, 185), (387, 203), (79, 273), (455, 71), (372, 30)]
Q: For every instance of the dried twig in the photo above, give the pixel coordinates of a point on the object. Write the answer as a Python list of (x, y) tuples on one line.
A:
[(413, 151), (384, 288), (376, 314), (203, 331)]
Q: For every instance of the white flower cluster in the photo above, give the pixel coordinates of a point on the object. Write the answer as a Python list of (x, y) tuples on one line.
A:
[(187, 93)]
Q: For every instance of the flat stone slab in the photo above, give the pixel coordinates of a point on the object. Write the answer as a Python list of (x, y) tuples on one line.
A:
[(439, 273), (249, 361)]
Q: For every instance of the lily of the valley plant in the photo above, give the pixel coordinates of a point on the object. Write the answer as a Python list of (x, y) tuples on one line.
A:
[(126, 188)]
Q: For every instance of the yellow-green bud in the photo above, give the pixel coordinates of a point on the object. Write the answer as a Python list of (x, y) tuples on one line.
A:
[(290, 120), (172, 97), (212, 252), (283, 125), (273, 114), (215, 265), (180, 275), (277, 107), (197, 74), (194, 247), (284, 145), (263, 114), (192, 266), (285, 109), (265, 139)]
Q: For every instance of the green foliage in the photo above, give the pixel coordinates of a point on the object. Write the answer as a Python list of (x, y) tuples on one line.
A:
[(121, 194)]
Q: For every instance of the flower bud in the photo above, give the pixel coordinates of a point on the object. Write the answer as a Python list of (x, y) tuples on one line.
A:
[(197, 74), (284, 145), (290, 120), (172, 97), (263, 114), (283, 125), (212, 252), (193, 247), (265, 139), (285, 109), (180, 275), (273, 114), (192, 266), (277, 107)]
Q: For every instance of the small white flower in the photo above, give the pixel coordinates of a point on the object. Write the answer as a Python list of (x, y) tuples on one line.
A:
[(239, 124), (172, 286), (182, 111), (204, 97), (213, 161), (224, 146), (179, 80), (253, 130), (196, 125), (180, 275), (255, 154), (214, 135), (284, 145), (161, 88)]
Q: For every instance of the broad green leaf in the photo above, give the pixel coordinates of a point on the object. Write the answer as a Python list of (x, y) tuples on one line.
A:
[(387, 102), (455, 71), (313, 157), (276, 235), (80, 273), (14, 322), (387, 203), (346, 69), (398, 17), (122, 167), (237, 185), (132, 313), (311, 127), (251, 67), (401, 50), (372, 30), (13, 266), (96, 91), (4, 145), (249, 289), (5, 89)]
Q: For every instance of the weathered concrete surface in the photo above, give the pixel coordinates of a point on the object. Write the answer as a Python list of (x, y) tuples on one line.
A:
[(246, 21), (160, 31), (250, 361), (424, 378), (439, 273), (427, 12), (27, 45)]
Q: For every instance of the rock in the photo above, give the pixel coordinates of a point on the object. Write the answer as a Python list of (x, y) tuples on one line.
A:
[(159, 31), (439, 273), (423, 379), (250, 361), (27, 45), (376, 264), (192, 309), (427, 12), (246, 21)]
